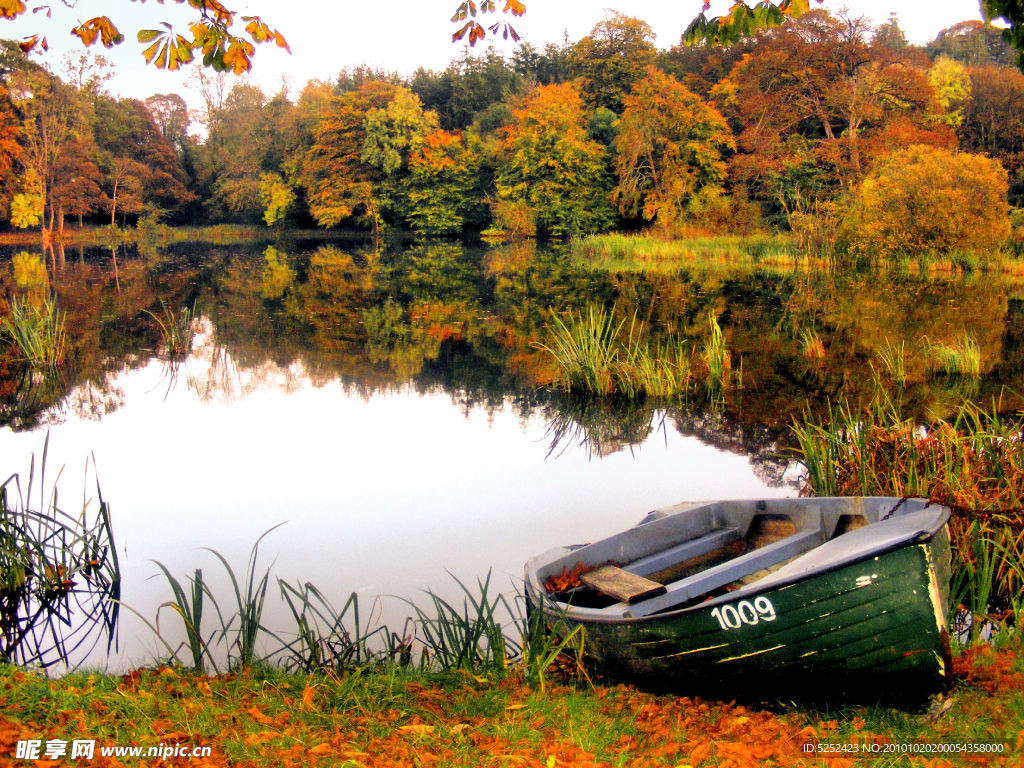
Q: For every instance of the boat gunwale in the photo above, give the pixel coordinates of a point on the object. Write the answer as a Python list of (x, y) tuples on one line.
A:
[(581, 614)]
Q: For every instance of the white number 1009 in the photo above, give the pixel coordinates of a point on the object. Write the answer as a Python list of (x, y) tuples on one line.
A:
[(744, 612)]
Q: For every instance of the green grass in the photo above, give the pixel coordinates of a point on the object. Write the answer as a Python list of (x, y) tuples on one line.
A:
[(36, 330), (393, 717)]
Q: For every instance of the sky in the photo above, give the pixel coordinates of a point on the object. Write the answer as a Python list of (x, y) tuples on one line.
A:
[(400, 35)]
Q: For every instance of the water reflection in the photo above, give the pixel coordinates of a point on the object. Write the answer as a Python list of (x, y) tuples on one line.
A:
[(384, 493), (391, 405)]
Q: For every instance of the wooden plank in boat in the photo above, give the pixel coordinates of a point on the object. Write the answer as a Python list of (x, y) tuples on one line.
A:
[(622, 585)]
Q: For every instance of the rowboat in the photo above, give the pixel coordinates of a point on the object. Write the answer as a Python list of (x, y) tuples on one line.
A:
[(761, 597)]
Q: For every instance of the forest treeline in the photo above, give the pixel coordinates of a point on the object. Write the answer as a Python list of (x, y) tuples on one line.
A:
[(841, 131)]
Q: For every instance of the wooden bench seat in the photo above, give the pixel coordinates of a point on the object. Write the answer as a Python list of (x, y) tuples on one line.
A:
[(622, 585)]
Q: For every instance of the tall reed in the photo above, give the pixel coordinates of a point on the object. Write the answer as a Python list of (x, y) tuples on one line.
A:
[(973, 463), (177, 329), (716, 355), (36, 329), (586, 349), (469, 636), (597, 355), (893, 360), (59, 575)]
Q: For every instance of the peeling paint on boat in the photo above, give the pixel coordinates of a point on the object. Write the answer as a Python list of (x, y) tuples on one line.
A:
[(748, 655)]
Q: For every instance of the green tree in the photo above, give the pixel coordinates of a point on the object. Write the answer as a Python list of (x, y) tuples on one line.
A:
[(614, 56), (973, 43), (442, 184), (551, 168), (670, 148)]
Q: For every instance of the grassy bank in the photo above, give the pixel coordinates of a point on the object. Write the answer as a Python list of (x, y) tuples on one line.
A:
[(390, 718), (647, 251)]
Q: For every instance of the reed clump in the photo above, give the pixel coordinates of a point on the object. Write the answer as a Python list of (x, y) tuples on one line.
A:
[(177, 329), (893, 359), (59, 575), (617, 251), (596, 354), (811, 345), (716, 355), (485, 632), (960, 359), (973, 463), (36, 330)]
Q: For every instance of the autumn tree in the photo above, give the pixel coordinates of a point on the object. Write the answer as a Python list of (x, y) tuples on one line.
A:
[(548, 166), (10, 152), (952, 85), (670, 148), (814, 103), (993, 122), (339, 184), (249, 136), (140, 165), (51, 121), (613, 57), (442, 186), (75, 187), (924, 201), (170, 114)]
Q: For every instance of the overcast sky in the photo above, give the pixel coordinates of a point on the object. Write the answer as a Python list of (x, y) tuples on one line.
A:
[(401, 35)]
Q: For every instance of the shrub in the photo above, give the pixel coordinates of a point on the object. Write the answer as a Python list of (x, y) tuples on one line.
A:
[(925, 201)]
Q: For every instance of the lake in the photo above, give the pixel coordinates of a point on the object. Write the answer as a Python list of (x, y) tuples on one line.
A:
[(392, 408)]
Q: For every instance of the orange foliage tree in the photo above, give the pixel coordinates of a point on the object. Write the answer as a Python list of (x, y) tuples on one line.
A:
[(339, 183), (670, 148), (550, 168), (10, 152), (814, 103), (927, 201)]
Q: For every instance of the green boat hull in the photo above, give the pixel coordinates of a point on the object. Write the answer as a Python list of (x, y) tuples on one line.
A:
[(876, 626)]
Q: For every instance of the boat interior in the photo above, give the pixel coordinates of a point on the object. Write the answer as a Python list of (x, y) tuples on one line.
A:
[(690, 553)]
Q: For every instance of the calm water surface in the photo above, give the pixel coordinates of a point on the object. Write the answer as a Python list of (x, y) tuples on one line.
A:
[(384, 494)]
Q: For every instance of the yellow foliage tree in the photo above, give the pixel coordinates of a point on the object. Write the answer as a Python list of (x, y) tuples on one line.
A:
[(669, 149), (924, 201)]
